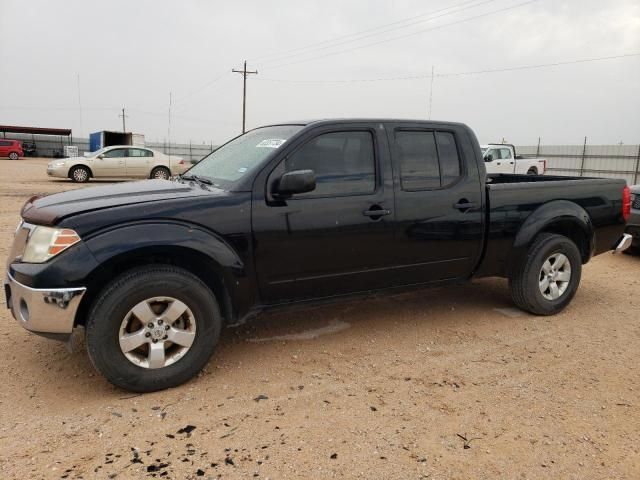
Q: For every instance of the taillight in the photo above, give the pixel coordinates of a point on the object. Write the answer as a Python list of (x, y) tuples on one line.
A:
[(181, 162), (626, 203)]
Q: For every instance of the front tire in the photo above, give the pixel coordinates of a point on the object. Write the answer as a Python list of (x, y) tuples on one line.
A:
[(153, 328), (80, 174), (546, 280)]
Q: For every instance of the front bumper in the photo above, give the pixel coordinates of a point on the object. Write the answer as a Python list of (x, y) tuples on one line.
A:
[(46, 311), (59, 172)]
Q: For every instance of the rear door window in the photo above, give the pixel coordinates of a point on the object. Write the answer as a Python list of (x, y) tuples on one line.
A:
[(427, 159)]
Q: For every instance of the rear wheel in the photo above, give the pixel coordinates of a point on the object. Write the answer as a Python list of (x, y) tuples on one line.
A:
[(14, 156), (80, 174), (546, 280), (152, 328), (532, 171), (160, 173)]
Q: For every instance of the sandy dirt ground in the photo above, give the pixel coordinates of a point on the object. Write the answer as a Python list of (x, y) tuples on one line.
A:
[(380, 388)]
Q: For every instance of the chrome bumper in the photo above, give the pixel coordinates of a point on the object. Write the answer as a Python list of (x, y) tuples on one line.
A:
[(624, 243), (43, 310)]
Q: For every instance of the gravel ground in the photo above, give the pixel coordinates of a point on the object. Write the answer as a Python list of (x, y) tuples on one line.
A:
[(380, 388)]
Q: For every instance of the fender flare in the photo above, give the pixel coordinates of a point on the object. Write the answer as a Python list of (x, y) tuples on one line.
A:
[(557, 215)]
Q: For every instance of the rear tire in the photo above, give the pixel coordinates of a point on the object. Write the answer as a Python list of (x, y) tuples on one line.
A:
[(532, 171), (14, 156), (538, 286), (160, 173), (80, 174), (196, 317)]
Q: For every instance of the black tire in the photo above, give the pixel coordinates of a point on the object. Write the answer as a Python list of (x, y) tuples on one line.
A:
[(80, 174), (525, 277), (160, 173), (532, 171), (14, 156), (128, 290)]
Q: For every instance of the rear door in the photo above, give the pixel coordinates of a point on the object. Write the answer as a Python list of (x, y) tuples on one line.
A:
[(439, 203), (139, 162), (338, 238)]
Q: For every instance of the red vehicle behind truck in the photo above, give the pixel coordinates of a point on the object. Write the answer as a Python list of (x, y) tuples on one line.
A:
[(11, 149)]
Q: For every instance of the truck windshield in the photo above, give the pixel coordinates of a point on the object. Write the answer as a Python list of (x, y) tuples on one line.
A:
[(243, 154)]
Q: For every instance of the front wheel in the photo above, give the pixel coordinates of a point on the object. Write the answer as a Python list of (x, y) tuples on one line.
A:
[(545, 281), (14, 156), (80, 174), (152, 328)]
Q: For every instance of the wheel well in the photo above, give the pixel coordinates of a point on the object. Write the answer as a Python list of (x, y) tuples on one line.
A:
[(533, 169), (194, 262), (575, 233), (76, 166)]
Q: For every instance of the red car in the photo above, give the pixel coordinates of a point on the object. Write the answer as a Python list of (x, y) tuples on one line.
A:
[(11, 149)]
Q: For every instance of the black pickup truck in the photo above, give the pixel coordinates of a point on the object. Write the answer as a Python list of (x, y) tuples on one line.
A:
[(293, 213)]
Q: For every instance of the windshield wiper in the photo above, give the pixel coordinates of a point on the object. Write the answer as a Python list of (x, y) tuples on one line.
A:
[(197, 178)]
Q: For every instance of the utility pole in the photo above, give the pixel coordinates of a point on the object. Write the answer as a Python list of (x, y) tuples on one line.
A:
[(244, 73), (433, 68), (124, 125)]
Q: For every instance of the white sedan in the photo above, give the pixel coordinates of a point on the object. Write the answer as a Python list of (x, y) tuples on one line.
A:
[(118, 161)]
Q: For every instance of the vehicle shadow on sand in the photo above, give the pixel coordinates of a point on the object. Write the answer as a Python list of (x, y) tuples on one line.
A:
[(335, 325)]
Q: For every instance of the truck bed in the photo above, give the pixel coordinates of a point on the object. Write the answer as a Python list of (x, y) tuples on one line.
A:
[(518, 203)]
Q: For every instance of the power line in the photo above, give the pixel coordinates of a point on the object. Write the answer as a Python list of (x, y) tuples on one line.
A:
[(457, 74), (398, 37), (365, 33), (202, 87)]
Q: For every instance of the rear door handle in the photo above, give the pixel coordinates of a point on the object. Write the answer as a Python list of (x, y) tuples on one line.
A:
[(464, 205)]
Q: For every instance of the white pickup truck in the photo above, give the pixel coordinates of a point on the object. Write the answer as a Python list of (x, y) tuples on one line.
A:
[(502, 158)]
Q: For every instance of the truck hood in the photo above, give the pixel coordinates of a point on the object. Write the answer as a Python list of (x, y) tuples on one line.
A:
[(51, 209)]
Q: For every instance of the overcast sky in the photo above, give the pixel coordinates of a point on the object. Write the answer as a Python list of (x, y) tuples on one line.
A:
[(133, 53)]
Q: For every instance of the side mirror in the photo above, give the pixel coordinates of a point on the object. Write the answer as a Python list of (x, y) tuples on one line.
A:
[(488, 158), (297, 181), (101, 156)]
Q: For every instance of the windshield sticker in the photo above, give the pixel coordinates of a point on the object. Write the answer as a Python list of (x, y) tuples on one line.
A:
[(271, 143)]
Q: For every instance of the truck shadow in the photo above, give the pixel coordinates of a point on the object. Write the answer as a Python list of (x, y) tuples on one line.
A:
[(280, 335)]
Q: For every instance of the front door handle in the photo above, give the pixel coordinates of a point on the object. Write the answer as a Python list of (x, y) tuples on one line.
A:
[(464, 205), (379, 212)]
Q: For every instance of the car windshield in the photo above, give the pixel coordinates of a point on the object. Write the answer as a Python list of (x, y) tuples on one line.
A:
[(484, 150), (243, 154), (98, 152)]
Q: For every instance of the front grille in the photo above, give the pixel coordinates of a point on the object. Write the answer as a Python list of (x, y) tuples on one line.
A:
[(635, 201)]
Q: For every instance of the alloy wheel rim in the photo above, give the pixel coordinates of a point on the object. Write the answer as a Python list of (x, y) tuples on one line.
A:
[(80, 175), (161, 175), (157, 332), (555, 276)]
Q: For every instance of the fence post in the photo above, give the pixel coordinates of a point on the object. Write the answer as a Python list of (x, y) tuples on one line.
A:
[(584, 151), (635, 176), (190, 153), (538, 149)]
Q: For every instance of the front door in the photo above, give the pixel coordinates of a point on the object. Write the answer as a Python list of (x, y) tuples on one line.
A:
[(498, 160), (439, 203), (336, 239), (110, 164)]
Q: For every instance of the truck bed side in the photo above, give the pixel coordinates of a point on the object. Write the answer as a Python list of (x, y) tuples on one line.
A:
[(587, 210)]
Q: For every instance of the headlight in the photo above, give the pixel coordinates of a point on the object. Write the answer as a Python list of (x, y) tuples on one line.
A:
[(57, 164), (46, 242)]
